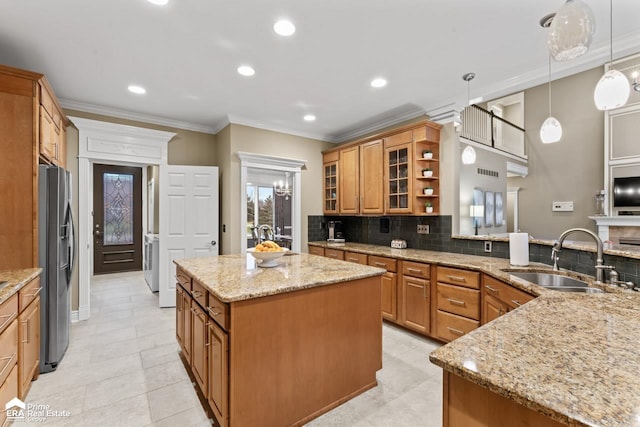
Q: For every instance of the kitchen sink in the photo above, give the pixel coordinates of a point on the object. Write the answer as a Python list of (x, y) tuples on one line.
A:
[(557, 282), (3, 284)]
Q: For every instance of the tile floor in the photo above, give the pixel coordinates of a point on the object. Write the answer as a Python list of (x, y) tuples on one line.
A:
[(122, 368)]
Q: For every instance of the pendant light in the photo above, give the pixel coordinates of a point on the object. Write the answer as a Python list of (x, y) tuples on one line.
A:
[(612, 91), (551, 129), (469, 153), (571, 32)]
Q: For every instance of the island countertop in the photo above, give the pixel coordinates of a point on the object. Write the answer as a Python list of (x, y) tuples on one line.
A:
[(237, 277), (16, 279)]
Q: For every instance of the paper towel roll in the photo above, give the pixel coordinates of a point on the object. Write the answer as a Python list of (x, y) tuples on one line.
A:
[(519, 249)]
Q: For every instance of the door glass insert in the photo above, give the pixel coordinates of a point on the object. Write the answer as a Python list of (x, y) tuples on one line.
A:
[(118, 208)]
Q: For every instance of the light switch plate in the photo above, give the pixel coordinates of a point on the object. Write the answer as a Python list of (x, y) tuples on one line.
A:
[(562, 206)]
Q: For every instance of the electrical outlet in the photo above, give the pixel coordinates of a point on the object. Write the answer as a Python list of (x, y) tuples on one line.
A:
[(487, 247), (423, 229)]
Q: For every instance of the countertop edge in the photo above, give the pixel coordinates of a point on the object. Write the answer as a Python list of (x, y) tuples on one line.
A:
[(17, 279)]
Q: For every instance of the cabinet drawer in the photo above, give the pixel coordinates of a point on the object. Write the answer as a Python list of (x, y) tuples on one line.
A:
[(355, 257), (218, 311), (8, 312), (316, 250), (28, 293), (382, 262), (183, 279), (416, 269), (334, 253), (8, 390), (8, 350), (456, 276), (199, 293), (450, 326), (504, 292), (459, 300)]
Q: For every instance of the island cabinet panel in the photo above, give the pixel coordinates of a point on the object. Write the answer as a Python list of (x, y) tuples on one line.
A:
[(469, 405), (296, 355), (199, 356), (218, 395)]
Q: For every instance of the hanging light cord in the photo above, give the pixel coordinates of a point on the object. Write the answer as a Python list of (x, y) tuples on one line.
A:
[(611, 33), (549, 85)]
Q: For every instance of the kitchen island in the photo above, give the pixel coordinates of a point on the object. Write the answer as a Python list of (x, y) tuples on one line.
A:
[(282, 345)]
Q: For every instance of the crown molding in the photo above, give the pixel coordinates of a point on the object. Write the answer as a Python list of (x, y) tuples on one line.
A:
[(245, 121), (139, 117), (377, 125)]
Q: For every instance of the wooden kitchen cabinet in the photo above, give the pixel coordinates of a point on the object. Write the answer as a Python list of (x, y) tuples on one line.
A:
[(414, 297), (316, 250), (499, 298), (29, 346), (356, 257), (390, 296), (330, 182), (398, 187), (199, 353), (22, 129), (218, 396), (349, 179), (8, 340), (371, 180), (183, 322), (457, 302), (334, 253), (8, 390)]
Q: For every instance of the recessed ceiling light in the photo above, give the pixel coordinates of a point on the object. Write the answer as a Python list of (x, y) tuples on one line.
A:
[(309, 118), (138, 90), (378, 82), (159, 2), (284, 27), (245, 70)]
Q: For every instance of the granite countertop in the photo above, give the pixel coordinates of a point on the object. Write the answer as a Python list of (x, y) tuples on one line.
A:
[(17, 279), (571, 356), (237, 277)]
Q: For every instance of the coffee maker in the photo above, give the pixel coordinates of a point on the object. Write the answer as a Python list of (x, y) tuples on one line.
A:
[(335, 232)]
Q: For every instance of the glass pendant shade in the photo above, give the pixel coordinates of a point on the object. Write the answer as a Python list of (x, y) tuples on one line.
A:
[(468, 155), (550, 131), (571, 31), (612, 91)]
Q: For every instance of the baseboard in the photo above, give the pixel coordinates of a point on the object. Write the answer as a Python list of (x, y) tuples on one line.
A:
[(74, 316), (81, 314)]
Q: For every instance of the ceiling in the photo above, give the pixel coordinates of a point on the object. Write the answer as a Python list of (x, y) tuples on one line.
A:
[(186, 53)]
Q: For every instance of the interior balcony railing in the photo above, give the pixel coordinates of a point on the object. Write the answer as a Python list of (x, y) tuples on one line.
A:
[(484, 127)]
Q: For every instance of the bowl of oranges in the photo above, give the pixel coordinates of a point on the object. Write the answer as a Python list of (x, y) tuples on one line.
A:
[(267, 252)]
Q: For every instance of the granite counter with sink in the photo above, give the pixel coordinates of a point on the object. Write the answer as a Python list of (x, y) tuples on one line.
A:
[(570, 357), (16, 279)]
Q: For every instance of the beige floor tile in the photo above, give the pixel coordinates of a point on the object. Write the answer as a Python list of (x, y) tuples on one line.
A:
[(164, 375), (131, 412), (114, 390), (171, 400), (194, 417), (159, 355)]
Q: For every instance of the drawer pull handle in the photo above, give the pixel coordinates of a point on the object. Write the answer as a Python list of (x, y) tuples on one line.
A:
[(455, 331), (195, 311), (9, 317), (380, 264), (516, 302), (490, 289), (9, 359), (456, 302), (456, 278), (33, 295), (213, 313), (414, 270), (352, 259), (26, 323), (197, 294)]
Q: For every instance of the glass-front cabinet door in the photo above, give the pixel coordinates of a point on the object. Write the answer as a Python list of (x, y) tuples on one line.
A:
[(331, 187), (399, 179)]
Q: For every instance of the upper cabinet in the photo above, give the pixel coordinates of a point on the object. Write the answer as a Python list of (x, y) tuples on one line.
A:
[(32, 126), (392, 173)]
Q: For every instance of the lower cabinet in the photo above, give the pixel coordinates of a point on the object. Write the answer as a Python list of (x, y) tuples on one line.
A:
[(500, 298), (199, 335), (183, 322), (29, 346), (218, 345), (458, 302), (390, 296), (8, 389), (414, 305)]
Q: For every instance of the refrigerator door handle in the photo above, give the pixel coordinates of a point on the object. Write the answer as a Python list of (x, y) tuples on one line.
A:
[(72, 244)]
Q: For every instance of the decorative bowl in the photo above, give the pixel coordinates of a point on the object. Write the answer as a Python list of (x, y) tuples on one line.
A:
[(267, 259)]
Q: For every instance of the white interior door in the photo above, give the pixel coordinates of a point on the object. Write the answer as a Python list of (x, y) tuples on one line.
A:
[(190, 219)]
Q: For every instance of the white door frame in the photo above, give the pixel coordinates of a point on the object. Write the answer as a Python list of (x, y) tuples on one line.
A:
[(261, 161), (103, 142)]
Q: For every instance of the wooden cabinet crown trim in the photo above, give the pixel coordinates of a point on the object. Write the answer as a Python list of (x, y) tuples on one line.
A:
[(385, 134)]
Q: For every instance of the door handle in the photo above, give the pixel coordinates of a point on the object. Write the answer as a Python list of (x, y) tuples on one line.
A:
[(213, 243)]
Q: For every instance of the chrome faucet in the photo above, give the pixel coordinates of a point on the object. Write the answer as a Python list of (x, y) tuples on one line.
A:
[(265, 232), (600, 267)]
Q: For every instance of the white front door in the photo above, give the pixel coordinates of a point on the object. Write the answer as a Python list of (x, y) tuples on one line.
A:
[(190, 220)]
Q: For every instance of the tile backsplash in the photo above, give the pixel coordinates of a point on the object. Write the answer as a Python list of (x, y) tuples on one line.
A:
[(363, 229)]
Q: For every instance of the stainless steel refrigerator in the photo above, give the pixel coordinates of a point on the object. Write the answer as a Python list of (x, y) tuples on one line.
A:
[(56, 258)]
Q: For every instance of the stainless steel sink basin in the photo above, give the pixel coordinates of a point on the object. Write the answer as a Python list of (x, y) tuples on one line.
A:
[(557, 282), (3, 284)]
